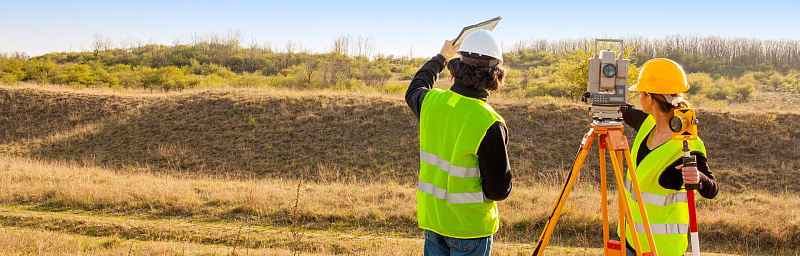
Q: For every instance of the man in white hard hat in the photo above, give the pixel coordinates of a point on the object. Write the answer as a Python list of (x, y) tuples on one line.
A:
[(464, 165)]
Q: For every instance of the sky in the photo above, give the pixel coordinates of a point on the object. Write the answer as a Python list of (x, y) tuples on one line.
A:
[(397, 27)]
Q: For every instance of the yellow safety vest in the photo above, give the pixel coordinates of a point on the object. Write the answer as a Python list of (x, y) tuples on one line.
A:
[(667, 209), (450, 199)]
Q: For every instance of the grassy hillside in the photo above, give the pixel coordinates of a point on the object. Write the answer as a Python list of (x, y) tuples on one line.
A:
[(336, 136), (244, 170)]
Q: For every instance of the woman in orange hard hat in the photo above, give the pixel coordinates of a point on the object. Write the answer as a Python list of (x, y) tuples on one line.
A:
[(658, 160)]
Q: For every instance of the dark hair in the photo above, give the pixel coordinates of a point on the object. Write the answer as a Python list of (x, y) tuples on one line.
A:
[(490, 78)]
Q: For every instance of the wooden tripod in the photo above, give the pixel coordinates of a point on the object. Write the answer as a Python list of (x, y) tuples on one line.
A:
[(611, 140)]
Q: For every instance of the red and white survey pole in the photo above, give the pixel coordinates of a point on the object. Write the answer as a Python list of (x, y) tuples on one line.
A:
[(684, 127), (688, 161)]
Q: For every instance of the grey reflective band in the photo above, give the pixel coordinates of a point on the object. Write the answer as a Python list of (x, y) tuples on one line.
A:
[(444, 165), (650, 198), (453, 198), (663, 229)]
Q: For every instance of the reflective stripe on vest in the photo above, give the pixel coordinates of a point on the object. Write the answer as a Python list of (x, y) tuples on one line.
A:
[(666, 208), (650, 198), (450, 199), (453, 198), (663, 229), (444, 165)]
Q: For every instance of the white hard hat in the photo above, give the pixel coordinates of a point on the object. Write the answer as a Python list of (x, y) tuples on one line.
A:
[(482, 42)]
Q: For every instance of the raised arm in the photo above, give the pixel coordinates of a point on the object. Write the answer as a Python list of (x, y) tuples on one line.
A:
[(426, 76)]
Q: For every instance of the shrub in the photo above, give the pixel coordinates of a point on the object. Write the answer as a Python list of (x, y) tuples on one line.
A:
[(210, 69), (103, 76), (783, 83), (722, 88), (166, 78), (11, 71), (395, 88), (249, 80), (351, 83), (698, 81), (125, 75), (396, 69), (408, 72), (377, 75), (283, 81), (744, 87), (39, 70), (76, 75)]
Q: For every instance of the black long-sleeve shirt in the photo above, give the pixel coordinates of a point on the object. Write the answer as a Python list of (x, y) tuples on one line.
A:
[(671, 178), (492, 153)]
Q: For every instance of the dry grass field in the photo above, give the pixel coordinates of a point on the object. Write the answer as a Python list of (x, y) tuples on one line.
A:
[(267, 172)]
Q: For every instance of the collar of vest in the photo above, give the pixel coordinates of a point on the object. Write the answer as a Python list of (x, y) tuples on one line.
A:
[(641, 136), (460, 88)]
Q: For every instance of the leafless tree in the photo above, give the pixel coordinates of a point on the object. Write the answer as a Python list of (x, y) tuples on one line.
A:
[(126, 44), (101, 43), (365, 46), (267, 47), (97, 42), (291, 47), (341, 45), (15, 56), (234, 37), (734, 51), (177, 41)]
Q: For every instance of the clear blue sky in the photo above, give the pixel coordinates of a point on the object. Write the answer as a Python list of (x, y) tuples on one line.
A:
[(37, 27)]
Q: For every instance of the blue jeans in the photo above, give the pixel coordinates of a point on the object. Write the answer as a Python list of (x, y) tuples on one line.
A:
[(436, 245)]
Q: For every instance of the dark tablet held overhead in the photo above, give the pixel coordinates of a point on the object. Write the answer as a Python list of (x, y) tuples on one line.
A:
[(487, 25)]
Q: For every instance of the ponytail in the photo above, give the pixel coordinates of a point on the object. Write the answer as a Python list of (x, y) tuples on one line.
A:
[(667, 103), (678, 101)]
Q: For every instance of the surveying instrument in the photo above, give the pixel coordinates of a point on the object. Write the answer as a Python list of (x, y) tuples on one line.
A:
[(607, 89)]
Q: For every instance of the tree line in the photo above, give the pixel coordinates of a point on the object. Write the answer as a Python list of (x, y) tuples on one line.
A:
[(720, 69), (207, 60), (708, 54), (728, 69)]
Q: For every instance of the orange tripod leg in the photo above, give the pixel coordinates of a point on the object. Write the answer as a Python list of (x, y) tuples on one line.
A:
[(616, 162), (586, 144), (604, 196), (640, 202)]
